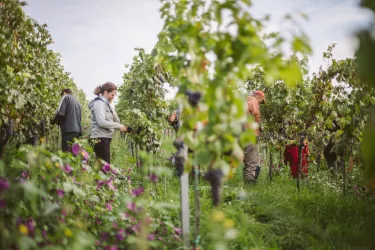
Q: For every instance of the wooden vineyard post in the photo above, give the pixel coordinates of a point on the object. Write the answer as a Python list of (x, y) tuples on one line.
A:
[(197, 206), (196, 202), (136, 155), (270, 168), (299, 162), (319, 158), (59, 140), (184, 203), (342, 165)]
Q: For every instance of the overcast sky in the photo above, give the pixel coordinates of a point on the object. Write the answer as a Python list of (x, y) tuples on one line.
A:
[(97, 37)]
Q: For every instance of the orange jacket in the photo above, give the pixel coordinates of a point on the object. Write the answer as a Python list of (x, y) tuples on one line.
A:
[(253, 109)]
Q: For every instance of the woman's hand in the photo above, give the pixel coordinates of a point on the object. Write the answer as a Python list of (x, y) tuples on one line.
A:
[(123, 128)]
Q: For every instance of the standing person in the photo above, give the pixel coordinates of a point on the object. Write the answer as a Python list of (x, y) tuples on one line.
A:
[(291, 158), (251, 168), (68, 117), (174, 119), (104, 120)]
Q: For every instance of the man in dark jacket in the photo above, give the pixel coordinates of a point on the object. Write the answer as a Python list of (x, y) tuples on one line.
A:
[(68, 117)]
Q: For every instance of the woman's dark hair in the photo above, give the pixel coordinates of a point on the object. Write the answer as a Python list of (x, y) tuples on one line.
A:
[(67, 91), (108, 86)]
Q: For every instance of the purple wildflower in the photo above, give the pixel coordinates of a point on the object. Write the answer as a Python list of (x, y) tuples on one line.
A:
[(44, 234), (85, 155), (138, 191), (24, 176), (98, 221), (139, 164), (76, 149), (111, 248), (60, 193), (178, 231), (114, 171), (131, 206), (106, 168), (30, 224), (120, 235), (151, 237), (153, 178), (135, 228), (109, 207), (110, 185), (104, 236), (67, 169), (4, 184), (100, 183)]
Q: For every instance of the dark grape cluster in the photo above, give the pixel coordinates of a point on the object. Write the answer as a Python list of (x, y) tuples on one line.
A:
[(43, 127), (179, 145), (215, 176), (193, 97), (179, 164), (178, 158), (10, 127)]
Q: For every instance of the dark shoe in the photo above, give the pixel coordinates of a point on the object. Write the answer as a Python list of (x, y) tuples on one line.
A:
[(257, 172)]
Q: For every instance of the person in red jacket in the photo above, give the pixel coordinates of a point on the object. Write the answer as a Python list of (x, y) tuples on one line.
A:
[(291, 158)]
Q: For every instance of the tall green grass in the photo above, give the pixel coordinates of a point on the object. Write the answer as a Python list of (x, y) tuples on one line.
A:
[(273, 214)]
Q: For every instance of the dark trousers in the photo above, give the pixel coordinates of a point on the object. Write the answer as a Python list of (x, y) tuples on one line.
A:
[(102, 148), (67, 139)]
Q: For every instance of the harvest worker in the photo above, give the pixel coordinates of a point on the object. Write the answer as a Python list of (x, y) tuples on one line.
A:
[(291, 158), (174, 119), (251, 168), (104, 120), (68, 117)]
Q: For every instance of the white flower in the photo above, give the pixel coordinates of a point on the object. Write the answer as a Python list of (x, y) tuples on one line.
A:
[(231, 234)]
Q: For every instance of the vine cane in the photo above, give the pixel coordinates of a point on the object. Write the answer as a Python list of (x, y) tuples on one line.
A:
[(270, 168), (302, 138)]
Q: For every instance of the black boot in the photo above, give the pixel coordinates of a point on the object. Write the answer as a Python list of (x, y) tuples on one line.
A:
[(257, 172)]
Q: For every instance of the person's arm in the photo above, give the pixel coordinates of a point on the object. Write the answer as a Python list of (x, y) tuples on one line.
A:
[(60, 113), (99, 112), (253, 109)]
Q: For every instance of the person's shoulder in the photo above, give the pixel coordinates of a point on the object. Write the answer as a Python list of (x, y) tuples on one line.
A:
[(98, 102), (69, 97), (250, 98)]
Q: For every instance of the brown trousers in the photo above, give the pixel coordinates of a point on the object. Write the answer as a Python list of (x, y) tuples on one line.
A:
[(251, 162)]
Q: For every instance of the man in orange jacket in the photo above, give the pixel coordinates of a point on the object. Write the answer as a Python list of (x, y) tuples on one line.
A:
[(251, 168)]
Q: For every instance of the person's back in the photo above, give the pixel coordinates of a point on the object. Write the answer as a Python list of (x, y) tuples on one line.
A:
[(72, 121), (68, 117)]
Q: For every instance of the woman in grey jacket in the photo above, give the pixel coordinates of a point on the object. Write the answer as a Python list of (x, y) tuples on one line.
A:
[(104, 120)]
